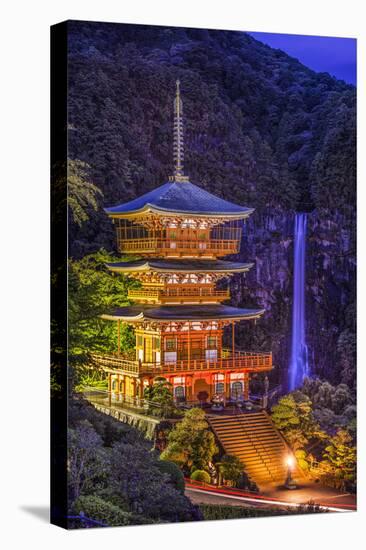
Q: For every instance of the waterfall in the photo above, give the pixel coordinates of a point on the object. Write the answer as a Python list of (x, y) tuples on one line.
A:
[(299, 366)]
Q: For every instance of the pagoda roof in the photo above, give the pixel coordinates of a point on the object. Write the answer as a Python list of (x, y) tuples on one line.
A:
[(137, 313), (174, 266), (180, 197)]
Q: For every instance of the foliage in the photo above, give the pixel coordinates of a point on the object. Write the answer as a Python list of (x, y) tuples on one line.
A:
[(333, 406), (293, 414), (240, 131), (149, 492), (93, 290), (174, 472), (302, 458), (201, 475), (98, 509), (314, 431), (160, 397), (82, 195), (231, 468), (190, 443), (126, 476), (341, 456), (108, 429), (218, 511), (87, 461)]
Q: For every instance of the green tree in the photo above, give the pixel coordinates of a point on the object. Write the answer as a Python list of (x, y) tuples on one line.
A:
[(82, 195), (293, 411), (87, 460), (135, 475), (93, 290), (341, 456), (174, 472), (231, 468), (101, 510), (190, 443), (160, 397)]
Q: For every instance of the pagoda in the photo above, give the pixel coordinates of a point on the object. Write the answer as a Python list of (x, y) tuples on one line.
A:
[(180, 232)]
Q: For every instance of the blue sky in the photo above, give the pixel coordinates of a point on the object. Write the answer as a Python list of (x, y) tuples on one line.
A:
[(336, 56)]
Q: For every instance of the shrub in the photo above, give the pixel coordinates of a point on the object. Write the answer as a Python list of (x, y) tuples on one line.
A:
[(98, 509), (174, 473), (201, 475), (219, 511)]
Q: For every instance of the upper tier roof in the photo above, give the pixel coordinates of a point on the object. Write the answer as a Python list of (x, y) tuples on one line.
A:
[(181, 198), (179, 266), (182, 313)]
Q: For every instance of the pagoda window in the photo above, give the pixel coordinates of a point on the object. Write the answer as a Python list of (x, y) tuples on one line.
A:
[(211, 342), (179, 392), (237, 389), (170, 344), (219, 387)]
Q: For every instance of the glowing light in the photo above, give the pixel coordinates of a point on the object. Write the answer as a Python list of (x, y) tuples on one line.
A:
[(290, 461)]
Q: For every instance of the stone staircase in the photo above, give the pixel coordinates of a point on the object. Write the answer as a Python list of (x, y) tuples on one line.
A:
[(252, 437)]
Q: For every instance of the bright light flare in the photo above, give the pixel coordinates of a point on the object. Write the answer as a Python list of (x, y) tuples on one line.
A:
[(290, 461)]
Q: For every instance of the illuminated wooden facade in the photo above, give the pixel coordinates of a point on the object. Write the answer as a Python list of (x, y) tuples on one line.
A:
[(181, 232)]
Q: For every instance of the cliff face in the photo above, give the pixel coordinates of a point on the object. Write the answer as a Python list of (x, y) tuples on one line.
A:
[(330, 290)]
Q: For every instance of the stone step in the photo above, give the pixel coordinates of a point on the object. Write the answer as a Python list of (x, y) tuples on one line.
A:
[(253, 438)]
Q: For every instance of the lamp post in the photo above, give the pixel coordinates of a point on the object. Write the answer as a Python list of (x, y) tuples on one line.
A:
[(289, 482)]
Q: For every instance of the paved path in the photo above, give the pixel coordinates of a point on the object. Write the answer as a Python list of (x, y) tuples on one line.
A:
[(309, 491), (274, 496)]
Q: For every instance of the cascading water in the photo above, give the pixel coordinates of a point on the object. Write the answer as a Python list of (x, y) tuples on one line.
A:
[(299, 365)]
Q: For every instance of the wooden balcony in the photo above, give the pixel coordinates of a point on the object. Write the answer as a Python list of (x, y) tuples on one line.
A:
[(179, 248), (240, 360), (181, 294)]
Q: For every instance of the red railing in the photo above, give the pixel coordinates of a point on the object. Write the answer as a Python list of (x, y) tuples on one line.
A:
[(246, 360), (171, 247), (155, 294)]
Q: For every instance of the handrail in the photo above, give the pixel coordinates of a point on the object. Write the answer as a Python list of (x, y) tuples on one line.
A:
[(245, 360), (110, 395), (151, 244), (176, 292)]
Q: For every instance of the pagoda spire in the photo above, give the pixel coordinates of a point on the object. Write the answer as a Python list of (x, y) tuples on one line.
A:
[(178, 146)]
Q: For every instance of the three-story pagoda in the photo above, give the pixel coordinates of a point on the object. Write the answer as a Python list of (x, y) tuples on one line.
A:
[(181, 232)]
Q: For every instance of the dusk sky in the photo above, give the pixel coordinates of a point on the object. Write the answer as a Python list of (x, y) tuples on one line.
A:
[(336, 56)]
